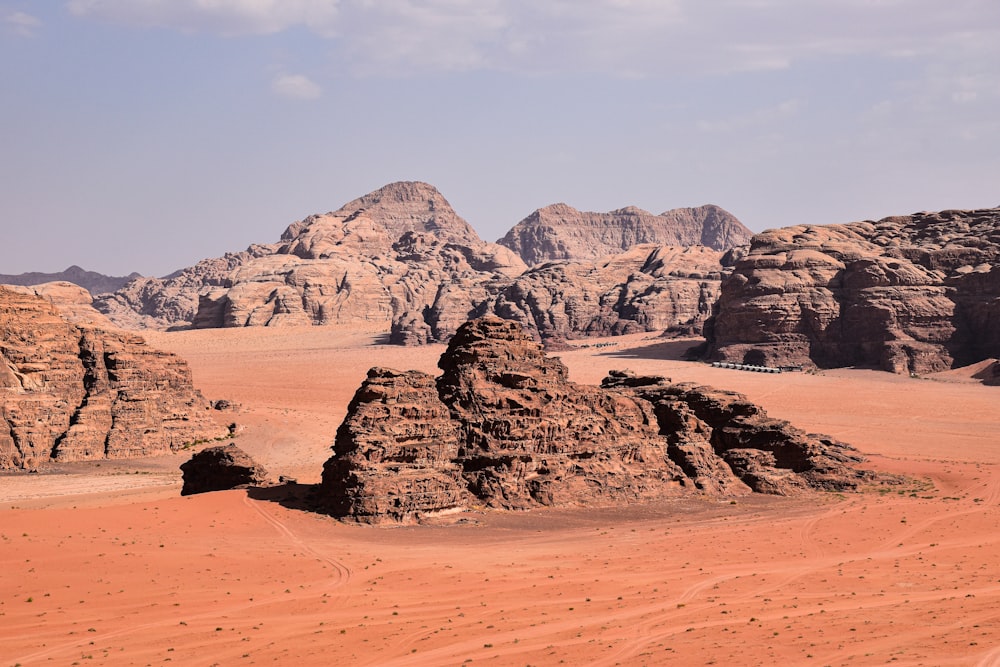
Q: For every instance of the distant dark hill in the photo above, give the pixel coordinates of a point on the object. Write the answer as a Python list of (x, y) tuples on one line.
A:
[(93, 282)]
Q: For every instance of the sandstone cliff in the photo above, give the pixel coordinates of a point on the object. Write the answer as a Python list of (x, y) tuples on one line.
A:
[(562, 232), (918, 293), (377, 259), (502, 427), (73, 392), (648, 288)]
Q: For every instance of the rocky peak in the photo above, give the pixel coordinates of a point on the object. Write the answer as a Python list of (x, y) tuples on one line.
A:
[(412, 206)]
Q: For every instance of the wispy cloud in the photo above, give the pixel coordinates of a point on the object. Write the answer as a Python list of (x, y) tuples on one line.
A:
[(226, 17), (295, 86), (623, 37), (760, 117), (22, 24)]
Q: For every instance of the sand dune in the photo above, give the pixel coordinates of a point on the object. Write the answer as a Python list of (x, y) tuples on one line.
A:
[(131, 573)]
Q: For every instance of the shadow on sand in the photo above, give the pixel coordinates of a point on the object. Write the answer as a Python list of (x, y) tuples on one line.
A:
[(292, 495), (673, 350)]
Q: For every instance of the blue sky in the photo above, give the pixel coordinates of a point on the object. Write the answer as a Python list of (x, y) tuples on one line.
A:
[(144, 135)]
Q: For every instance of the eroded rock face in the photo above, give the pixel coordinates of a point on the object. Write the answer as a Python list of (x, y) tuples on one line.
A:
[(220, 469), (502, 427), (648, 288), (70, 391), (917, 294), (562, 232), (377, 260)]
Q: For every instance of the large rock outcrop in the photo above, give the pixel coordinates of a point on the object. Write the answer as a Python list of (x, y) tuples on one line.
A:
[(71, 391), (648, 288), (502, 427), (918, 294), (562, 232), (378, 259)]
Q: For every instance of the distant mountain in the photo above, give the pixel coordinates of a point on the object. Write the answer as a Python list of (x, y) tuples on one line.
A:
[(368, 263), (562, 232), (93, 282), (401, 259)]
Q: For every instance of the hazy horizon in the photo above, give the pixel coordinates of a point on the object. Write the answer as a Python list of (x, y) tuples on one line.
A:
[(142, 135)]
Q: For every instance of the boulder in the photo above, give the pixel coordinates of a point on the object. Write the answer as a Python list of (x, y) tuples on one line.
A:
[(220, 469)]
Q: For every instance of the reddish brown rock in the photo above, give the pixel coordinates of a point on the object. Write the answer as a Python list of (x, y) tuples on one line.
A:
[(502, 427), (913, 294), (220, 469), (561, 232), (648, 288), (74, 392)]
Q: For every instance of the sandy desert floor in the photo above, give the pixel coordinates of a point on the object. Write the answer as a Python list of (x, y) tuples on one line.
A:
[(107, 564)]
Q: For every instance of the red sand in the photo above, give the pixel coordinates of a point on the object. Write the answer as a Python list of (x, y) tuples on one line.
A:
[(134, 574)]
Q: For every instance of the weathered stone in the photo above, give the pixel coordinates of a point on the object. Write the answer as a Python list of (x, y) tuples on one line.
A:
[(561, 232), (74, 392), (909, 294), (648, 288), (503, 427), (220, 469)]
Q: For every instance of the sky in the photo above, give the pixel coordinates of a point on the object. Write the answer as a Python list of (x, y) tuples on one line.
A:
[(145, 135)]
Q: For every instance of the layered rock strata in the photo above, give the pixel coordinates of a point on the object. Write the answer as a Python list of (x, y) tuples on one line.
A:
[(220, 469), (401, 259), (648, 288), (503, 427), (73, 392), (378, 259), (908, 294), (559, 232)]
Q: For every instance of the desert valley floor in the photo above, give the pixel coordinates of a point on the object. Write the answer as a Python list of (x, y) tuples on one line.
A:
[(107, 564)]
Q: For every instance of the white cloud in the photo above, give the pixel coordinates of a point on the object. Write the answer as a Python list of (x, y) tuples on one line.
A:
[(761, 117), (22, 24), (226, 17), (623, 37), (295, 86)]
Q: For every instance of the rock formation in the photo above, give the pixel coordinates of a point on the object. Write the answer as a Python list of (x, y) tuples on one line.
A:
[(648, 288), (72, 392), (917, 294), (72, 301), (380, 258), (502, 427), (562, 232), (220, 469), (93, 282)]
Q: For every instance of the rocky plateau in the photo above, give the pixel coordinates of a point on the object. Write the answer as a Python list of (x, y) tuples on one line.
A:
[(503, 427)]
